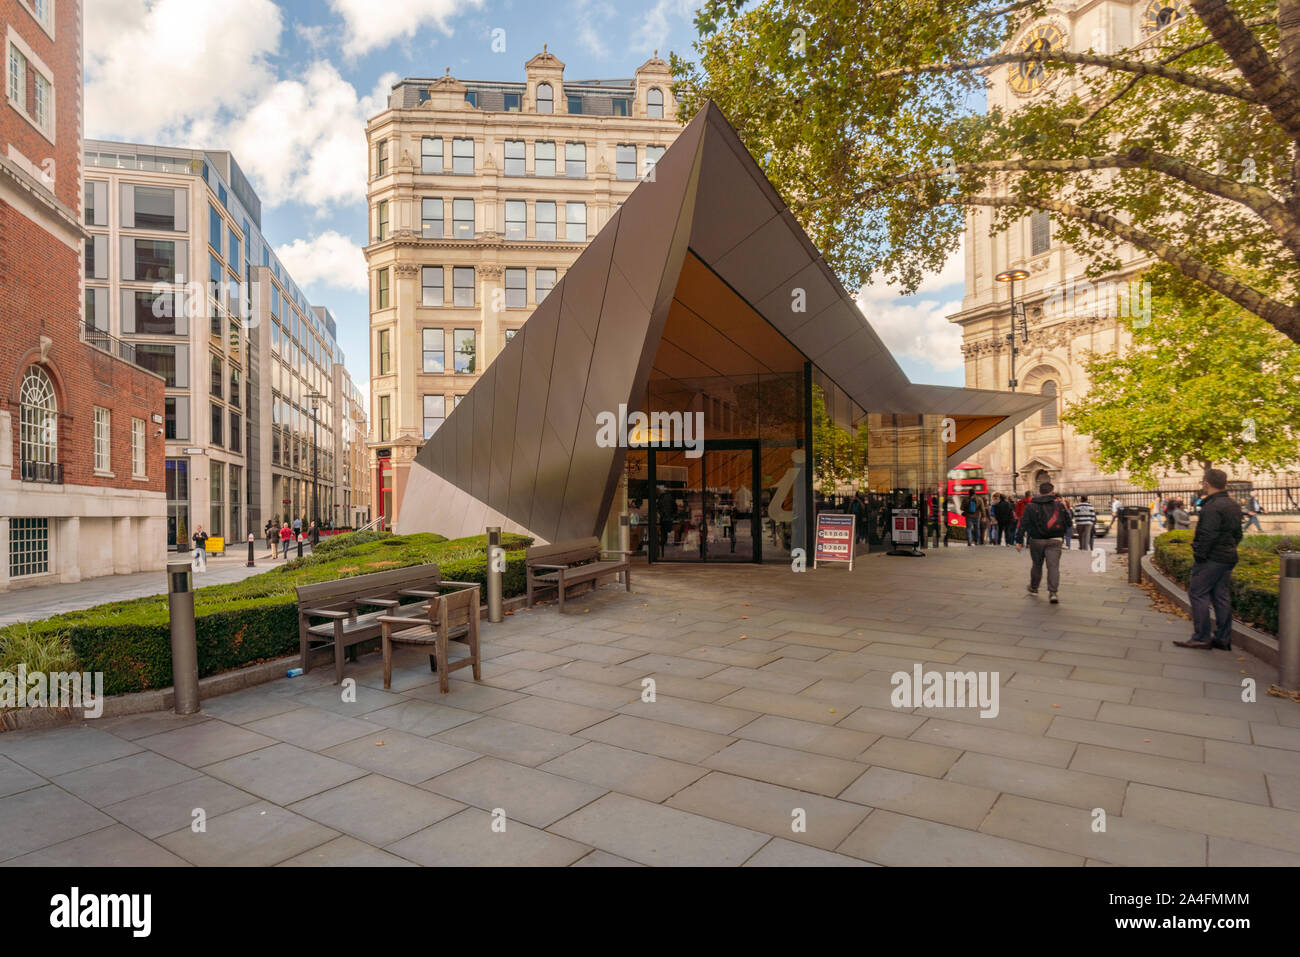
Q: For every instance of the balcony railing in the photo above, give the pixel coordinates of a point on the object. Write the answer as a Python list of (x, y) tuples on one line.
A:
[(48, 473), (100, 339)]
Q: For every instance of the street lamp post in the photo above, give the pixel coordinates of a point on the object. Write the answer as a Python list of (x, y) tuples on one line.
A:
[(315, 399), (1011, 275)]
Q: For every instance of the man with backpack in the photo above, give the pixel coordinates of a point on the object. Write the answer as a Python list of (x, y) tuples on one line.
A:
[(1043, 526), (1253, 510)]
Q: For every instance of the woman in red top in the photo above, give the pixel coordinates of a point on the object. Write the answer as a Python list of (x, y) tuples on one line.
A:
[(286, 536)]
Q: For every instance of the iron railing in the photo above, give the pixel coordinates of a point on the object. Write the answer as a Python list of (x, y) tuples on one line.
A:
[(100, 339), (49, 473), (1277, 500)]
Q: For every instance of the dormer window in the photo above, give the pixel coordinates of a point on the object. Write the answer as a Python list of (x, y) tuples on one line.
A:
[(575, 105), (545, 98), (471, 97), (620, 106), (654, 104), (512, 102)]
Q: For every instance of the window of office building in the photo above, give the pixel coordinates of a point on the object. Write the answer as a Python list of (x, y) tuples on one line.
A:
[(97, 257), (152, 260), (95, 204), (232, 243), (546, 220), (575, 104), (217, 510), (575, 222), (545, 283), (381, 232), (465, 341), (544, 158), (513, 102), (385, 418), (235, 482), (620, 105), (625, 161), (462, 156), (234, 397), (236, 432), (137, 449), (381, 288), (515, 158), (431, 288), (431, 154), (545, 98), (214, 228), (385, 356), (147, 313), (170, 362), (516, 219), (381, 157), (176, 417), (652, 154), (29, 547), (575, 160), (435, 411), (103, 441), (218, 423), (462, 286), (432, 346), (654, 104), (218, 376), (462, 218), (431, 217), (516, 288), (96, 317)]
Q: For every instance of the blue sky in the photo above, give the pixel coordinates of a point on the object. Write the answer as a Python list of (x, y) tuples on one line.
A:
[(288, 87)]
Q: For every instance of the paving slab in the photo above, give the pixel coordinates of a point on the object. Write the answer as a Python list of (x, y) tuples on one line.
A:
[(948, 802), (346, 851), (112, 846), (14, 778), (312, 728), (902, 841), (1202, 778), (526, 794), (283, 773), (645, 776), (207, 743), (53, 751), (510, 741), (795, 769), (657, 737), (563, 717), (703, 716), (1057, 785), (779, 852), (1267, 826), (123, 778), (171, 808), (376, 809), (405, 757), (37, 818), (468, 839), (255, 835)]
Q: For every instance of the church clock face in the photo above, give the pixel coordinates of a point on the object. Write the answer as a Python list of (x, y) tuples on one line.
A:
[(1029, 76), (1160, 13)]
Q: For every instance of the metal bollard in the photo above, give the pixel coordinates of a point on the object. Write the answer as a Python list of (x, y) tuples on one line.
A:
[(1288, 621), (300, 545), (185, 656), (624, 540), (496, 559), (1136, 549), (251, 563)]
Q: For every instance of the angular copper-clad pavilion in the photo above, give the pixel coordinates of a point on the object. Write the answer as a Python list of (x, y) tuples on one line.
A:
[(702, 295)]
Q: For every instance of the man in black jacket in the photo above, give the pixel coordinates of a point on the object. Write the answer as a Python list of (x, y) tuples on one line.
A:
[(1214, 550), (1005, 516), (1044, 524)]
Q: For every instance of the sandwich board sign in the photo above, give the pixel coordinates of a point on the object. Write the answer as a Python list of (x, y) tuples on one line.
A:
[(906, 532), (834, 541)]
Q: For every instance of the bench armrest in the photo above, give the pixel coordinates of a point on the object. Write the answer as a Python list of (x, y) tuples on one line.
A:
[(404, 620), (323, 613), (418, 593), (381, 602), (461, 584), (556, 568)]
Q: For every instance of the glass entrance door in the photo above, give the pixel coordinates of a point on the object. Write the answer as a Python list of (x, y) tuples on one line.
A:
[(704, 507)]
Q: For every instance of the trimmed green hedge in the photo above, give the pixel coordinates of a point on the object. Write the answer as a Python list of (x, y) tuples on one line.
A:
[(1254, 580), (257, 618)]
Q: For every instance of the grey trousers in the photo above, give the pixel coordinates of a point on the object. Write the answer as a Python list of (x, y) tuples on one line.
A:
[(1049, 550)]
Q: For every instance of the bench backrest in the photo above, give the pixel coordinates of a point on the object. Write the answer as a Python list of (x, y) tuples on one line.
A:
[(373, 585), (564, 553)]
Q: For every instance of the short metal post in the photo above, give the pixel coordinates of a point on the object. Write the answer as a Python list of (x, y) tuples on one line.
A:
[(300, 544), (625, 540), (1135, 550), (1288, 621), (496, 559), (251, 563), (185, 656)]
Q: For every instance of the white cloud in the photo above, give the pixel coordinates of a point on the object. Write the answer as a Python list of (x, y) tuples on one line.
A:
[(917, 326), (591, 19), (369, 25), (153, 65), (656, 26), (313, 36), (330, 259)]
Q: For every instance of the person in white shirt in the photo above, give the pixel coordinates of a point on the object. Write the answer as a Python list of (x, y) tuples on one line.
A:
[(1085, 521)]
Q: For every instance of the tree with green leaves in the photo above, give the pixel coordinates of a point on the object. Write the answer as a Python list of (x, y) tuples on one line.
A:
[(870, 120), (1206, 383)]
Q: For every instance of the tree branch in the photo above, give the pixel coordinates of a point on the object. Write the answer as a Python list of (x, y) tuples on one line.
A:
[(1270, 85), (1283, 316), (1187, 78)]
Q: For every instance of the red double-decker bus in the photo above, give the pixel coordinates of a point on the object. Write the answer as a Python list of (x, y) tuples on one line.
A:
[(966, 479)]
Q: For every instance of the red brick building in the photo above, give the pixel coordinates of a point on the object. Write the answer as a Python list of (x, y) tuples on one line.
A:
[(81, 449)]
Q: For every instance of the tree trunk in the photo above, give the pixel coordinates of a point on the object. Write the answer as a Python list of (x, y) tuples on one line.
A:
[(1288, 22)]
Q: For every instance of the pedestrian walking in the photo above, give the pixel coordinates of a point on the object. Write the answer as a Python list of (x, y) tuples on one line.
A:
[(1180, 517), (1114, 509), (1085, 522), (200, 549), (286, 534), (1214, 555), (269, 534), (1043, 526), (1005, 515), (297, 527), (313, 536), (1253, 510), (858, 509), (971, 511)]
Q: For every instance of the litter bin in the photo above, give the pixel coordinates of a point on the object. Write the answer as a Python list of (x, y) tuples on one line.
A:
[(1125, 513)]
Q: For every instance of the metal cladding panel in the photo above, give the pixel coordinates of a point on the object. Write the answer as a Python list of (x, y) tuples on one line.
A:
[(523, 475), (581, 514), (837, 324), (764, 262), (548, 494), (463, 475), (584, 288), (504, 423), (485, 399), (731, 202), (620, 346), (851, 366), (818, 295), (539, 350), (569, 372)]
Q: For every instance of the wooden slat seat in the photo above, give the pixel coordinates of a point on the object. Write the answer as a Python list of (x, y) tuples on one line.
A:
[(452, 616), (563, 564)]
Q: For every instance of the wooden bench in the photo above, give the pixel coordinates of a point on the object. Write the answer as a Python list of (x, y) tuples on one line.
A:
[(571, 563), (341, 602), (451, 616)]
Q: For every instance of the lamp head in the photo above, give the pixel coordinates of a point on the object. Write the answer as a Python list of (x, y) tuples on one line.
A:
[(1011, 275)]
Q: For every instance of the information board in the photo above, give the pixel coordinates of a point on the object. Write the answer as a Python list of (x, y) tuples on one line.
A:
[(907, 528), (834, 541)]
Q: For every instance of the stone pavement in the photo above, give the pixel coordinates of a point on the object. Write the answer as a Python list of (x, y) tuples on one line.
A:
[(772, 706), (33, 604)]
